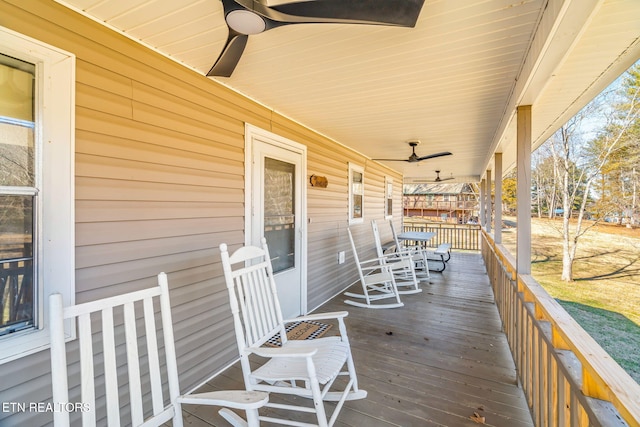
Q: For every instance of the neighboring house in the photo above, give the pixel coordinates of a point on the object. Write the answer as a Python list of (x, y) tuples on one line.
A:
[(449, 202), (145, 166)]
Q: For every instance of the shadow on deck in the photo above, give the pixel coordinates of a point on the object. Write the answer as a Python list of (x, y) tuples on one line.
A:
[(436, 361)]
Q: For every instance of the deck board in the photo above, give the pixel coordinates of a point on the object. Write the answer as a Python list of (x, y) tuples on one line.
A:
[(433, 362)]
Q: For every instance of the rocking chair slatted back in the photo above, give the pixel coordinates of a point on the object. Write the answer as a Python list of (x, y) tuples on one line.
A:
[(376, 238), (301, 369), (104, 311), (145, 404), (253, 296), (377, 282)]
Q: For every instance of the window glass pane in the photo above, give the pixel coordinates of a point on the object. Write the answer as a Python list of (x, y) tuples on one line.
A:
[(357, 206), (16, 122), (357, 193), (16, 263), (279, 212), (389, 199), (356, 183)]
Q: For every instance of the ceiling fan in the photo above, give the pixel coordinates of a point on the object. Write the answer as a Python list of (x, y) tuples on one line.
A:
[(247, 17), (413, 158), (438, 179), (424, 181)]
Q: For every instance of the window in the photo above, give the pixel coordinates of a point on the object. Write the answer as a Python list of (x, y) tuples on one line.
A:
[(36, 189), (388, 198), (356, 194), (17, 194)]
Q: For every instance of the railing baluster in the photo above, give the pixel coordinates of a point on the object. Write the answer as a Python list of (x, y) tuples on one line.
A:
[(562, 389)]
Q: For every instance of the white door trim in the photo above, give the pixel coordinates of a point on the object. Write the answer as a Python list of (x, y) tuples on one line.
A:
[(252, 132)]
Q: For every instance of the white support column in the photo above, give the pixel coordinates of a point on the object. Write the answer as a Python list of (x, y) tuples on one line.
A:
[(489, 204), (482, 204), (497, 235), (523, 191)]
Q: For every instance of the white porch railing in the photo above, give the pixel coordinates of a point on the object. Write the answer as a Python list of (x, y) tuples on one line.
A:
[(568, 379), (460, 236)]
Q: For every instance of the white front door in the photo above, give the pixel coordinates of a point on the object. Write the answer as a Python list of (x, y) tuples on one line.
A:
[(277, 212)]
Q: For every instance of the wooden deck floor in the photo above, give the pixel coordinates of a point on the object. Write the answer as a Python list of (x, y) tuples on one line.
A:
[(435, 362)]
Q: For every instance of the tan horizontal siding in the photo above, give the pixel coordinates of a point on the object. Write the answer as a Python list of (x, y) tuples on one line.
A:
[(103, 100), (192, 154), (138, 210), (139, 246), (90, 166), (114, 126), (160, 184), (151, 102), (117, 189), (92, 77)]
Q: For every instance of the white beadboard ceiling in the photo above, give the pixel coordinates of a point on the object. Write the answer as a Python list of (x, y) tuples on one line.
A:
[(452, 82)]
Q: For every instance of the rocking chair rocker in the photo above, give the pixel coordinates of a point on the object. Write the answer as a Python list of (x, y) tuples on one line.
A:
[(306, 368)]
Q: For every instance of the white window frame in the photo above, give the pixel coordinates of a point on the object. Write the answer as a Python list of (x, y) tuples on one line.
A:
[(388, 194), (355, 168), (54, 135)]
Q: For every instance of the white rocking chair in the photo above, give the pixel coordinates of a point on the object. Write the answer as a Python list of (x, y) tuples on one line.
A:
[(418, 255), (306, 368), (137, 311), (401, 263), (377, 283)]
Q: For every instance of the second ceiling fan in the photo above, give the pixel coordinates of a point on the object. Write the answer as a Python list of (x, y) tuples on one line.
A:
[(247, 17), (413, 158), (438, 179)]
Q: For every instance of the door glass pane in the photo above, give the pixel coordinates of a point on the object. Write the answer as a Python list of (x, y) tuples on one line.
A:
[(279, 212), (16, 263)]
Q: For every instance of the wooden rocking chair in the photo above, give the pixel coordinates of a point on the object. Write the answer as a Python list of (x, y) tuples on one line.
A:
[(401, 263), (144, 404), (306, 368), (377, 283)]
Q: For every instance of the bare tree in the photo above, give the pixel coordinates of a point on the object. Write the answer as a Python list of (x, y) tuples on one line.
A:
[(545, 175), (579, 164)]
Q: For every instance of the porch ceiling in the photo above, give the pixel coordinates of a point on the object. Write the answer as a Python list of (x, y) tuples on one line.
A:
[(453, 81)]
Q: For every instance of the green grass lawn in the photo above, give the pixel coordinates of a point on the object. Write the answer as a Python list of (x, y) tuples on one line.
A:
[(604, 297)]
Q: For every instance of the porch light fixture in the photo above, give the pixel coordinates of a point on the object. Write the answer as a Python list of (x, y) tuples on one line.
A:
[(245, 22)]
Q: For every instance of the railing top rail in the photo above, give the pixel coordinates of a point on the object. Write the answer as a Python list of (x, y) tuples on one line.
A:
[(603, 378)]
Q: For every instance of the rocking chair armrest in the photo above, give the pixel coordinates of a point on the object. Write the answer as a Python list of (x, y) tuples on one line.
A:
[(369, 270), (408, 250), (373, 260), (283, 352), (237, 399), (396, 256), (320, 316)]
